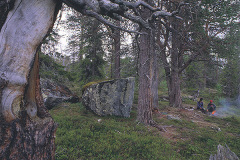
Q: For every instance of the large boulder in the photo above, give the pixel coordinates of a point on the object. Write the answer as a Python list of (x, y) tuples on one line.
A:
[(55, 93), (224, 153), (112, 97)]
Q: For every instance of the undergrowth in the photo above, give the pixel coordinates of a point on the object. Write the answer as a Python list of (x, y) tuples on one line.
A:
[(84, 135)]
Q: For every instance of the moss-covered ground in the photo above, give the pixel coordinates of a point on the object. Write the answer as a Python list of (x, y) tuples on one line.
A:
[(84, 135)]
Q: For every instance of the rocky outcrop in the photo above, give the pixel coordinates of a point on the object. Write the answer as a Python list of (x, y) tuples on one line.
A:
[(224, 153), (55, 93), (113, 97)]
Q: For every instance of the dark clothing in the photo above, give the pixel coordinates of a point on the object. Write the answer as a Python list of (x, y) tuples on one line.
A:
[(200, 105), (211, 107)]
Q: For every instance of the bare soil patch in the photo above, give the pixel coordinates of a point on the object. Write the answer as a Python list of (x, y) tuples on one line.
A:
[(187, 113)]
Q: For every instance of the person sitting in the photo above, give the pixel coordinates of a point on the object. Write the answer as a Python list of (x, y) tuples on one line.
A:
[(211, 107), (200, 105)]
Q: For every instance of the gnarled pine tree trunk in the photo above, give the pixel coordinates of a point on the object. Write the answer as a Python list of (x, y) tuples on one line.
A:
[(148, 77), (27, 131)]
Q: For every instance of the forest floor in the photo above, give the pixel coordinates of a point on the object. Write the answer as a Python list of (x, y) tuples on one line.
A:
[(188, 113), (190, 134)]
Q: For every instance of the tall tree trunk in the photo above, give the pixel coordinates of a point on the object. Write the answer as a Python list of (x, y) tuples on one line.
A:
[(144, 93), (171, 70), (175, 98), (27, 131), (148, 89), (117, 44)]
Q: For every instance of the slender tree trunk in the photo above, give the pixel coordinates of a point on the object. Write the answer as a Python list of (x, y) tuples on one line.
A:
[(117, 44), (155, 70), (167, 69), (27, 131), (94, 30)]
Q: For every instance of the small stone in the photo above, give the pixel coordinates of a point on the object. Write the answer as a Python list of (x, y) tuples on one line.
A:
[(216, 128), (172, 117)]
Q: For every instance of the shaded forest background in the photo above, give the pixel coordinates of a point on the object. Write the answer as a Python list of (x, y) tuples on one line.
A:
[(203, 48)]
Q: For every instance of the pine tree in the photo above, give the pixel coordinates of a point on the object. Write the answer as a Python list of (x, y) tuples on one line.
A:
[(89, 64)]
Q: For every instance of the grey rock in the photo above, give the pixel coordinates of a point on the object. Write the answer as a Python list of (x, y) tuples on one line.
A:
[(113, 97), (54, 93), (171, 117), (224, 153)]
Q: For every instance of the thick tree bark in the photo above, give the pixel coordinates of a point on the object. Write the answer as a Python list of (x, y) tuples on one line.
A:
[(27, 131), (145, 104), (148, 77), (175, 98)]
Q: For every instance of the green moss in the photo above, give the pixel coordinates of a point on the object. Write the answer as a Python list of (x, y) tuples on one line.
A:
[(93, 82)]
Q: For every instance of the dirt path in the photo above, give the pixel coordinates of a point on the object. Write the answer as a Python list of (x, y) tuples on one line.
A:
[(189, 114)]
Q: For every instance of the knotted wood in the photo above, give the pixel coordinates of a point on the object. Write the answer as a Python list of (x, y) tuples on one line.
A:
[(27, 131)]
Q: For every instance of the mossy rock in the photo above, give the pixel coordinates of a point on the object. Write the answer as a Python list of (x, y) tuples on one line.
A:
[(109, 97)]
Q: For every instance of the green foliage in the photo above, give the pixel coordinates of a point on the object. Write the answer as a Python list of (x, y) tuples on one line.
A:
[(81, 136), (230, 127), (163, 88), (89, 66), (216, 27), (230, 78), (203, 141), (128, 67), (229, 49), (52, 70), (194, 76)]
